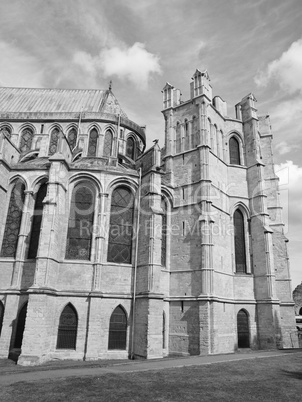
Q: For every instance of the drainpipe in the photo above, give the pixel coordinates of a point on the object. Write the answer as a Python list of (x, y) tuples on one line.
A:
[(135, 263)]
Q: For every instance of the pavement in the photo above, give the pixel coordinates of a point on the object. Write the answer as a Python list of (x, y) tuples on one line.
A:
[(11, 373)]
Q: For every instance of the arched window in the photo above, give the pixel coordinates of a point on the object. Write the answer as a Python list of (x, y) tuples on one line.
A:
[(164, 331), (187, 135), (164, 233), (1, 315), (72, 137), (194, 136), (93, 140), (13, 221), (178, 138), (118, 330), (26, 140), (68, 326), (240, 253), (234, 151), (121, 221), (36, 222), (53, 143), (108, 144), (130, 148), (20, 327), (6, 131), (243, 329), (79, 235)]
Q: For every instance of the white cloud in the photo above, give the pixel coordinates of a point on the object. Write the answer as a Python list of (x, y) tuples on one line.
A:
[(18, 68), (287, 70), (134, 63)]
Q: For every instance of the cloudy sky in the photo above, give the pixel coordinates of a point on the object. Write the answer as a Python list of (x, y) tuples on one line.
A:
[(246, 45)]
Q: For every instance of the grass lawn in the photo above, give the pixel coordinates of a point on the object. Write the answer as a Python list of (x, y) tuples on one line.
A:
[(268, 379)]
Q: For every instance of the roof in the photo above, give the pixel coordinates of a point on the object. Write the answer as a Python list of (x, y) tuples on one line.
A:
[(18, 100)]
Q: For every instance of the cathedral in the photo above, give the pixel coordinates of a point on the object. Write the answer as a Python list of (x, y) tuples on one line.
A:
[(109, 250)]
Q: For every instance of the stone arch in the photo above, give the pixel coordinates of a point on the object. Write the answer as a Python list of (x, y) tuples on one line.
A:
[(14, 214), (243, 329), (81, 215), (26, 135), (93, 140), (117, 336), (67, 328), (122, 202)]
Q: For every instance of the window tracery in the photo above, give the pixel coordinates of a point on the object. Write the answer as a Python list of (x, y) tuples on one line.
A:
[(53, 144), (92, 145), (79, 235), (72, 137), (6, 131), (13, 221), (26, 140), (121, 221), (108, 144)]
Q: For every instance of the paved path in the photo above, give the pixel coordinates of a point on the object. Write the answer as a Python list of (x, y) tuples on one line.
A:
[(137, 366)]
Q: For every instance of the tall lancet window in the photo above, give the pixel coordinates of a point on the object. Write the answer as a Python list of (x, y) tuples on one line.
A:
[(79, 235), (13, 221), (121, 226), (53, 143), (68, 327), (234, 151), (130, 148), (178, 138), (92, 144), (26, 139), (37, 222), (108, 144), (239, 237), (164, 233), (72, 137), (118, 330)]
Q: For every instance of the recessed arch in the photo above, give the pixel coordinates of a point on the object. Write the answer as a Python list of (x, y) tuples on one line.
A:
[(72, 136), (234, 151), (80, 223), (26, 139), (243, 330), (108, 143), (68, 327), (6, 129), (121, 225), (13, 219), (239, 241), (117, 339), (131, 147), (78, 177), (93, 141)]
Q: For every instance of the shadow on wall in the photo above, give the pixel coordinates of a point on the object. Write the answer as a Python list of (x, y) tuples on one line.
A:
[(191, 318)]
